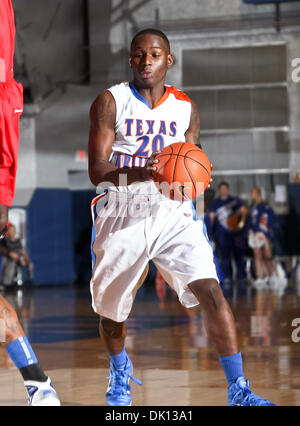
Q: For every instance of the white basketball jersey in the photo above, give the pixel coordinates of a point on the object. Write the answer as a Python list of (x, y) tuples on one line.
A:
[(135, 223), (141, 130)]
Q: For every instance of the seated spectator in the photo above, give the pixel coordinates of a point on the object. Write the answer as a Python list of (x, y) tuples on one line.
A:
[(13, 257)]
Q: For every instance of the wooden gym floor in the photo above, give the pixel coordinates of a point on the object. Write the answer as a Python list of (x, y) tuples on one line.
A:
[(166, 342)]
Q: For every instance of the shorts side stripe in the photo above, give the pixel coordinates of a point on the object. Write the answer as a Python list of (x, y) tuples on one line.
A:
[(94, 216), (94, 203), (92, 243)]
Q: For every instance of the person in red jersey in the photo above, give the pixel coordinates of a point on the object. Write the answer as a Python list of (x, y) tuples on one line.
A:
[(38, 385)]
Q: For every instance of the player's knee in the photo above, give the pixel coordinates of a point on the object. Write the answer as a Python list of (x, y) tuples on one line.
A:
[(208, 291), (112, 328)]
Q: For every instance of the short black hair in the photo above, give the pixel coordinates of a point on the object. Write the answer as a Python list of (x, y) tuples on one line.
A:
[(223, 184), (151, 31)]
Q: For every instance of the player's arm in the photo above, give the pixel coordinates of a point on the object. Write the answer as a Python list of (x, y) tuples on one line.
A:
[(8, 158), (101, 139), (192, 135)]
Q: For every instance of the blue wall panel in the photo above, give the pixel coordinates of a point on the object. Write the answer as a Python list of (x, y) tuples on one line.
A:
[(82, 229), (50, 236), (59, 233)]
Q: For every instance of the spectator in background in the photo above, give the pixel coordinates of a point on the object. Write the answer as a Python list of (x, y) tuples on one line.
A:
[(14, 256), (227, 217), (260, 239)]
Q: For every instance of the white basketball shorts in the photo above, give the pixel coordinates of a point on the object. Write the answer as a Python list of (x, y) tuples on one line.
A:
[(129, 229)]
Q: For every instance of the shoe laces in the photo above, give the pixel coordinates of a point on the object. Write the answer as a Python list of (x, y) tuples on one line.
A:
[(119, 381), (245, 396)]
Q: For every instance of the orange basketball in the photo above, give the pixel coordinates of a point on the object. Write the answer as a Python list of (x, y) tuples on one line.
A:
[(183, 171)]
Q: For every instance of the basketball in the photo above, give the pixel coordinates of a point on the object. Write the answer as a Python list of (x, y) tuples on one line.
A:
[(183, 171)]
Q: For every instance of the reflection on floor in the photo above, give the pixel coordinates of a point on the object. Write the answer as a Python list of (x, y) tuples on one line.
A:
[(167, 343)]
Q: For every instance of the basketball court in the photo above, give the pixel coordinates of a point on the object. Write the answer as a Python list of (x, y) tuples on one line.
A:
[(167, 344), (239, 60)]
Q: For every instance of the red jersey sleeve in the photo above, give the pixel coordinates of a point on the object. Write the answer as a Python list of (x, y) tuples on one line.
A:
[(11, 106)]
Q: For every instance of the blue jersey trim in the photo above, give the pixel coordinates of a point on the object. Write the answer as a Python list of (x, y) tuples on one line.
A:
[(101, 202), (92, 243), (137, 94)]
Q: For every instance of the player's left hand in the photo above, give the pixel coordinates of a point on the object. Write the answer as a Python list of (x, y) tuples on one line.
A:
[(211, 179), (150, 166)]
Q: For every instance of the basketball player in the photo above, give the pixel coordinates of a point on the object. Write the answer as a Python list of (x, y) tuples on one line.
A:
[(133, 222), (38, 385)]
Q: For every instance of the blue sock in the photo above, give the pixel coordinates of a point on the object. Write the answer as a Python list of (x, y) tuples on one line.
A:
[(232, 366), (21, 353), (119, 360)]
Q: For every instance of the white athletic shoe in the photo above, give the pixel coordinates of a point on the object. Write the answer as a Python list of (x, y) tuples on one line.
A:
[(273, 282), (41, 393), (278, 284), (260, 284)]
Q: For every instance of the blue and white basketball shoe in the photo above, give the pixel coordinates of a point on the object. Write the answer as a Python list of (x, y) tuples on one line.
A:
[(239, 394), (41, 393), (118, 390)]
